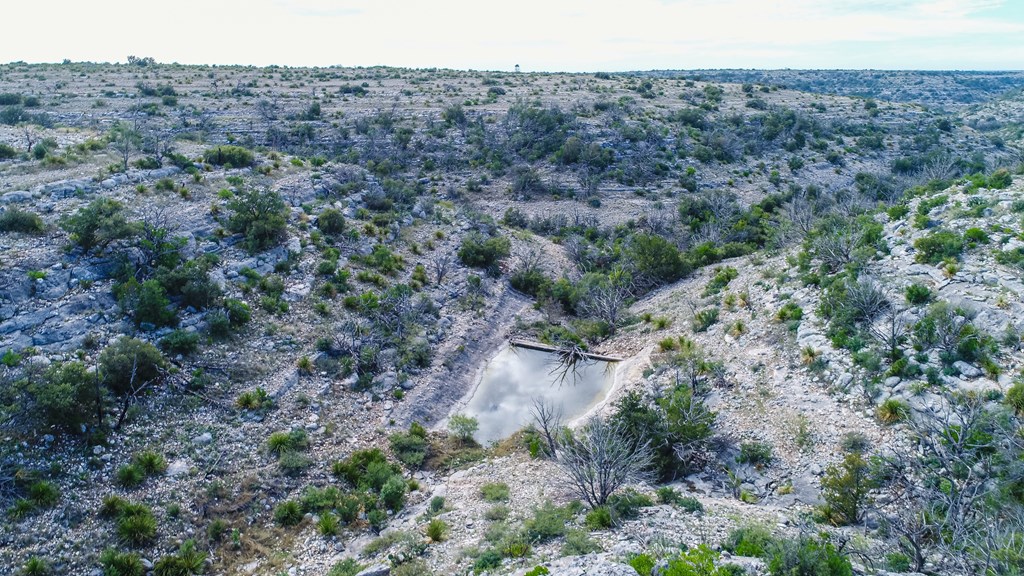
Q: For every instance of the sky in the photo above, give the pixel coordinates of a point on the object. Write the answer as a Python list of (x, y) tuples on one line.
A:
[(538, 35)]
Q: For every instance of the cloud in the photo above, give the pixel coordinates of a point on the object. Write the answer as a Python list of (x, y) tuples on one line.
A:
[(540, 34)]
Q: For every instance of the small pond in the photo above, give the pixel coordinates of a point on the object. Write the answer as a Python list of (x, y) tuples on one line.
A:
[(515, 376)]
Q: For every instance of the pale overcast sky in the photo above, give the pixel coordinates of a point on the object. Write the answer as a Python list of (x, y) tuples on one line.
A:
[(540, 35)]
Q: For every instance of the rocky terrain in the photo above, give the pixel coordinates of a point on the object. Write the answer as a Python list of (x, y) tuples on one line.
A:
[(223, 287)]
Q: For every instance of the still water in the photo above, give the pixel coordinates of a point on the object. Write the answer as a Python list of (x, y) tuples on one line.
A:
[(515, 376)]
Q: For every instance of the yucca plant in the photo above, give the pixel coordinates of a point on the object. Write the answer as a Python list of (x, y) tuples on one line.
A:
[(151, 462), (36, 566), (121, 563), (130, 475), (892, 411)]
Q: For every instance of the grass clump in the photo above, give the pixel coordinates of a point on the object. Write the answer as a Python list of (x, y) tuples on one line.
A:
[(347, 567), (437, 530), (136, 524), (495, 492), (185, 562)]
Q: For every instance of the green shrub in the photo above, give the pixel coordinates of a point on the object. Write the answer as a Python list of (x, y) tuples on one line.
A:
[(752, 540), (497, 513), (191, 283), (1014, 257), (98, 224), (128, 363), (489, 559), (288, 513), (667, 495), (232, 156), (529, 280), (7, 152), (238, 312), (976, 236), (10, 358), (261, 216), (147, 303), (331, 221), (356, 469), (807, 555), (462, 427), (918, 294), (17, 220), (1000, 179), (116, 563), (756, 453), (255, 400), (699, 561), (1015, 397), (487, 252), (642, 563), (65, 397), (845, 488), (548, 522), (292, 463), (599, 518), (327, 524), (495, 492), (409, 448), (579, 543), (656, 260), (627, 504), (392, 493), (938, 246), (180, 342), (897, 562)]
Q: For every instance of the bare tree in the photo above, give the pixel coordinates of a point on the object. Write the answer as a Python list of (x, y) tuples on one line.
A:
[(548, 419), (801, 215), (599, 459), (578, 251), (940, 167), (157, 242), (605, 298), (946, 329), (944, 485), (157, 141), (31, 135), (442, 263), (866, 298), (135, 389), (126, 140), (891, 332), (837, 246)]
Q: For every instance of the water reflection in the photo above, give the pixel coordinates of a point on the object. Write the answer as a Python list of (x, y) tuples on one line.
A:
[(516, 376)]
